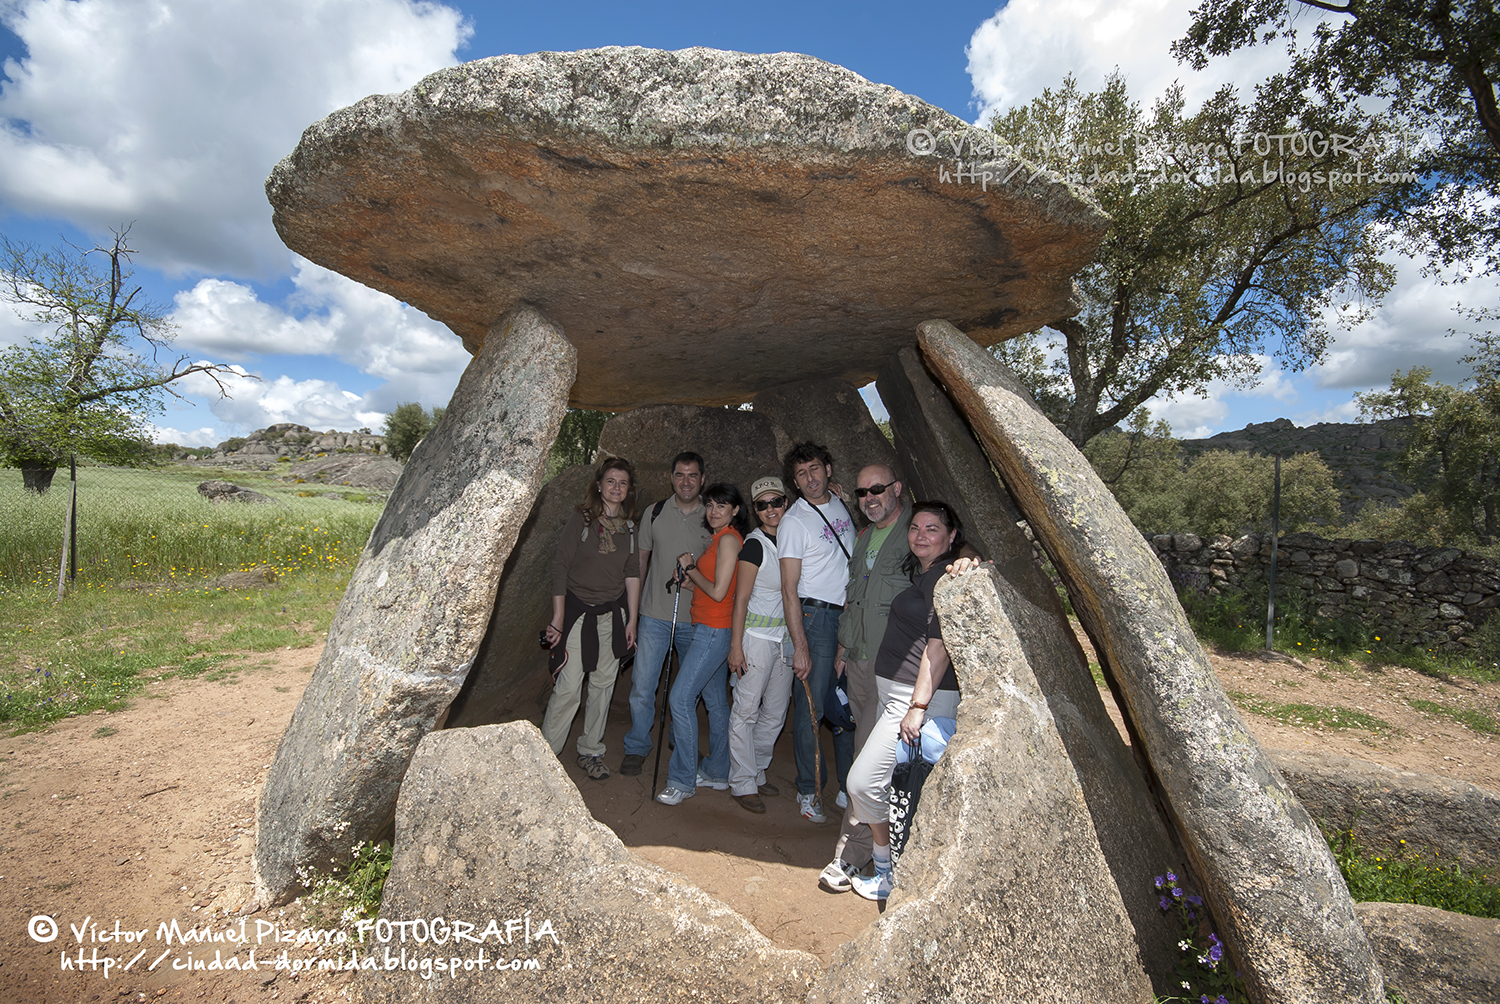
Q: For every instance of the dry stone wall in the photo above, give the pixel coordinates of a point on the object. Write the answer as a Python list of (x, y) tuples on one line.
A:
[(1430, 596)]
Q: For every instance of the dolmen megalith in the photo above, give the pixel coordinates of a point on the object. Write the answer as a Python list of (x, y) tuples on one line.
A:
[(639, 231), (1267, 872)]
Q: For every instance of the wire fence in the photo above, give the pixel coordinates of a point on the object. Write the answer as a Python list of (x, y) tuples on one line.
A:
[(153, 525)]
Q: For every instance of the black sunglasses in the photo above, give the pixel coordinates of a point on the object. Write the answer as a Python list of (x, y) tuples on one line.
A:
[(775, 502), (873, 490)]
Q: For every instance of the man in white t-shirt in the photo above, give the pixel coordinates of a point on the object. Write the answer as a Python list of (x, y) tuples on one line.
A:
[(814, 541)]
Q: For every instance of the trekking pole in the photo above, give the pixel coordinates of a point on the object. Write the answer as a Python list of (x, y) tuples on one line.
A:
[(812, 715), (666, 671)]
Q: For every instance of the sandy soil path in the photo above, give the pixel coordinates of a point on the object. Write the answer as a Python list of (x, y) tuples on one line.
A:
[(146, 815)]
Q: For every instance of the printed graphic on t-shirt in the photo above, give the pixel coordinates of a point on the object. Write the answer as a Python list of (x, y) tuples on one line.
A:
[(840, 527)]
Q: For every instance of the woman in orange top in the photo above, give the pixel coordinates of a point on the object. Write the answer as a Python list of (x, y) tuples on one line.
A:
[(705, 667)]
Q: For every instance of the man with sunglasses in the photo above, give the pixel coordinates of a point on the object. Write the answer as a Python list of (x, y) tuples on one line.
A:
[(875, 577)]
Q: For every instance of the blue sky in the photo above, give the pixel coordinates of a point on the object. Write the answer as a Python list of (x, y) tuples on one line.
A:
[(170, 113)]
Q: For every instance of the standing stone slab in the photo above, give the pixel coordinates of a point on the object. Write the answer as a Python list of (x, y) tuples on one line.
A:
[(490, 826), (510, 671), (830, 413), (409, 625), (1002, 892), (736, 446), (1274, 888), (940, 454)]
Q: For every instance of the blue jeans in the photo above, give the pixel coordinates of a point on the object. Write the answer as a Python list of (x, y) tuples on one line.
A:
[(705, 671), (821, 627), (652, 635)]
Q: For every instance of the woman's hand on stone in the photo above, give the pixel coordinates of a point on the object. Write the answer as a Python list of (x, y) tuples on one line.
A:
[(963, 565)]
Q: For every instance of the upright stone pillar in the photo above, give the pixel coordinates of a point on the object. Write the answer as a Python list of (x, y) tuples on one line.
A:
[(939, 452), (510, 671), (1268, 874), (1003, 892), (408, 627)]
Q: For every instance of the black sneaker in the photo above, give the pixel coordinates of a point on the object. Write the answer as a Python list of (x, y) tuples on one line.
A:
[(631, 765)]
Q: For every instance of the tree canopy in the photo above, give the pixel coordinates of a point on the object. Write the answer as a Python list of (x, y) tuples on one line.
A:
[(1431, 64), (406, 426), (84, 388), (1452, 449), (1229, 243)]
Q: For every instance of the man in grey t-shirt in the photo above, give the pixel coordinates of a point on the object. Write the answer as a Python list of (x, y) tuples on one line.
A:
[(671, 528)]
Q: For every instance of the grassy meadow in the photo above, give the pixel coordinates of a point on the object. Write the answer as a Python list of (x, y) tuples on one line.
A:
[(145, 605)]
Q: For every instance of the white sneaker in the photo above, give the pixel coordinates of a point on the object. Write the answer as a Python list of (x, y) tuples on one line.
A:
[(812, 808), (876, 887), (836, 875), (708, 782), (842, 801), (672, 796)]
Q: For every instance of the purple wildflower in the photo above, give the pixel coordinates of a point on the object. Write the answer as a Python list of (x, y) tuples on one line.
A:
[(1158, 882), (1176, 893), (1164, 903), (1171, 877)]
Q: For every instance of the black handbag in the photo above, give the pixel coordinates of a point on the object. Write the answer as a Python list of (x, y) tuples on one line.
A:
[(904, 790)]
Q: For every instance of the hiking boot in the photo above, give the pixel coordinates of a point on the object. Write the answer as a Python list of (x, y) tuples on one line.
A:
[(765, 787), (842, 801), (594, 767), (812, 808), (632, 764), (837, 875), (708, 782), (673, 796)]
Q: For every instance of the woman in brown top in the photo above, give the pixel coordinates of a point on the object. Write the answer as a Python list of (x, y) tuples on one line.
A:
[(596, 597)]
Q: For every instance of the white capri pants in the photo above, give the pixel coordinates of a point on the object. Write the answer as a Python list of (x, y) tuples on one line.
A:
[(872, 770), (760, 701)]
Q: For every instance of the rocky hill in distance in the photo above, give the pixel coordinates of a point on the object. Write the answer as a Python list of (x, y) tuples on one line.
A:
[(1362, 457), (353, 459)]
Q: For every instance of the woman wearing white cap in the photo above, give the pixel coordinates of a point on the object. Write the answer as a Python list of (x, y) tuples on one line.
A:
[(757, 630)]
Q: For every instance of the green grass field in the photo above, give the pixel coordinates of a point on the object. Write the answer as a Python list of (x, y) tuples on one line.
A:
[(153, 526), (145, 606)]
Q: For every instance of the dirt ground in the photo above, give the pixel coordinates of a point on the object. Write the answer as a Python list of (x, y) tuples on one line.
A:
[(146, 815)]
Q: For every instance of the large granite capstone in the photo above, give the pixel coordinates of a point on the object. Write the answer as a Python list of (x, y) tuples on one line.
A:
[(703, 224)]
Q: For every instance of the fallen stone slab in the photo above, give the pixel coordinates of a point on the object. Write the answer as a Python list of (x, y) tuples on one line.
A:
[(490, 826), (703, 224), (225, 491), (1385, 807), (1281, 905), (942, 460), (1002, 892), (409, 625), (510, 676), (1432, 956)]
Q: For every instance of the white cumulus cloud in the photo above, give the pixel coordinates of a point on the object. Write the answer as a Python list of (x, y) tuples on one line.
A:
[(328, 314), (1029, 44), (172, 112)]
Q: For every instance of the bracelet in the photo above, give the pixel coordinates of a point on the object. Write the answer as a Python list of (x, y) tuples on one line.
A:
[(915, 706)]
